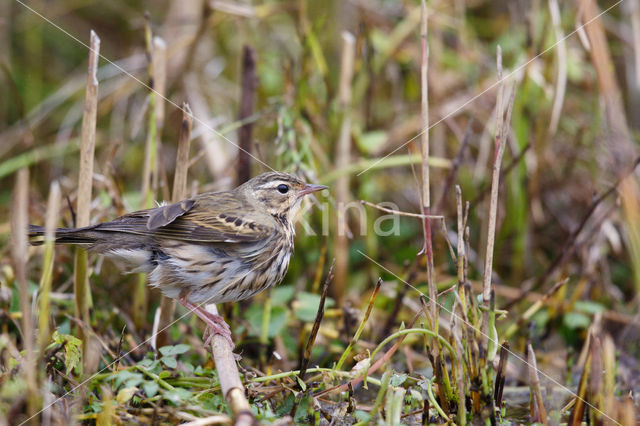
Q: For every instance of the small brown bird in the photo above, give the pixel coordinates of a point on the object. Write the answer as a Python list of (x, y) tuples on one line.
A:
[(213, 248)]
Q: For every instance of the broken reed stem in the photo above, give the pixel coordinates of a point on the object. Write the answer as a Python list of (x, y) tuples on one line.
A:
[(538, 412), (229, 377), (501, 374), (500, 144), (53, 206), (167, 305), (596, 382), (159, 59), (182, 157), (426, 196), (149, 172), (19, 221), (609, 368), (81, 287), (343, 159), (247, 104), (461, 255)]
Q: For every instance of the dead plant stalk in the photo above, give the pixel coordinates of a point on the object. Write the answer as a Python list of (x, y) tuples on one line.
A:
[(82, 290), (426, 196), (19, 220), (343, 158), (167, 305)]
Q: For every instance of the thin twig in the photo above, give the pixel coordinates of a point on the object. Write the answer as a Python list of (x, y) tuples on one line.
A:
[(399, 212), (316, 326), (455, 164)]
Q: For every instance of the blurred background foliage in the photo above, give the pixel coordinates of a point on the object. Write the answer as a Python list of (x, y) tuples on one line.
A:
[(552, 173)]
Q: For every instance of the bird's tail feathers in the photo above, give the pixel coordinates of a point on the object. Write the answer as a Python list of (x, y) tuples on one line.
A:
[(63, 236)]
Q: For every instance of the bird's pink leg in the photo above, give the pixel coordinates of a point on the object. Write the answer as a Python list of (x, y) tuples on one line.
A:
[(215, 323)]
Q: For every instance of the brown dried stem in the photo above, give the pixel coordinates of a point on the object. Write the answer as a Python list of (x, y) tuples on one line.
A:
[(561, 76), (500, 144), (19, 220), (343, 159), (83, 210), (229, 377), (316, 326), (426, 196), (247, 102), (167, 305), (538, 412)]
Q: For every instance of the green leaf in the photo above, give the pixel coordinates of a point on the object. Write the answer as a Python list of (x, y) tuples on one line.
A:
[(177, 395), (149, 364), (125, 394), (72, 349), (398, 379), (575, 320), (281, 295), (128, 378), (371, 142), (150, 389), (169, 361), (362, 416), (588, 306), (302, 384), (174, 350), (307, 304), (279, 316)]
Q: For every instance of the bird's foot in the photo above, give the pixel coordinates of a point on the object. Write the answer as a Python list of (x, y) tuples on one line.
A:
[(215, 323), (217, 326)]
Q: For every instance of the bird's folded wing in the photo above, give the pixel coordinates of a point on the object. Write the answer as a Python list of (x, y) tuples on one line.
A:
[(223, 228), (181, 221)]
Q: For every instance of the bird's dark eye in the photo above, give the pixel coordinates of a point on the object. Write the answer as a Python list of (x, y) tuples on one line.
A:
[(283, 189)]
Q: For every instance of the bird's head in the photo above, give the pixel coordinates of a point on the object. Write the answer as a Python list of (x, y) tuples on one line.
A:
[(278, 193)]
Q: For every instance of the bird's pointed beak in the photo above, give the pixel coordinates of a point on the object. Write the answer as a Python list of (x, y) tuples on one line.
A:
[(308, 189)]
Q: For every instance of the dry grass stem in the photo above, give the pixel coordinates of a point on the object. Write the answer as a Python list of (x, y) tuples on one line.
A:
[(500, 144), (401, 213), (229, 377), (538, 411), (81, 288), (343, 159), (247, 105), (53, 206), (424, 143), (561, 74), (168, 306), (19, 222)]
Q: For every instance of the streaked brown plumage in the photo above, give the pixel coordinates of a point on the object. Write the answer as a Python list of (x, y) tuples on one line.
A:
[(216, 247)]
